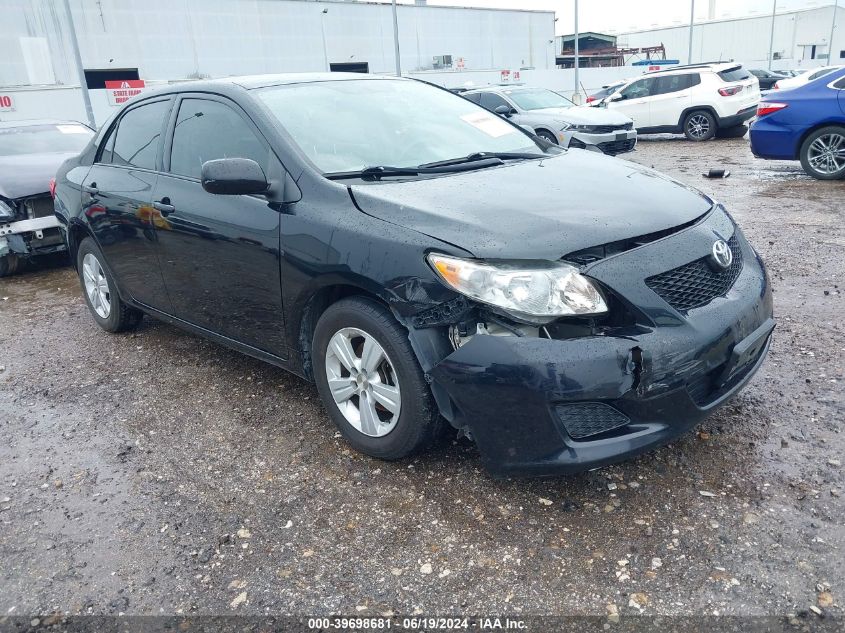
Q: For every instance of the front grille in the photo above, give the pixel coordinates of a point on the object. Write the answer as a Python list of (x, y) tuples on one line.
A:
[(613, 148), (607, 129), (696, 284), (589, 418)]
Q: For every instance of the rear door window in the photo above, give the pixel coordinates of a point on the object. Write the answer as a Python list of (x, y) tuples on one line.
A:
[(135, 141), (840, 85), (675, 83), (735, 74), (207, 130), (474, 97)]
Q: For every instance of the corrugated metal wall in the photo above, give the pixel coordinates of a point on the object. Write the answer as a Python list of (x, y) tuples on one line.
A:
[(747, 40), (182, 39)]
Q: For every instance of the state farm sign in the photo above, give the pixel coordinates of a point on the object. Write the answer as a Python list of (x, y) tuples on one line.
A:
[(6, 103), (123, 90)]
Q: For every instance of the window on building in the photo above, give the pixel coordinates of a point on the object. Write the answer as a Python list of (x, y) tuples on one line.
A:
[(841, 54), (137, 136), (97, 78), (208, 130)]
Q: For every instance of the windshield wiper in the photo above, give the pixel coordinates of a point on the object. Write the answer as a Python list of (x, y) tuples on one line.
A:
[(380, 171), (477, 156)]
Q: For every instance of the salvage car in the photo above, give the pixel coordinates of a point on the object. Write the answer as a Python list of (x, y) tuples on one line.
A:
[(807, 124), (562, 308), (30, 153), (556, 119), (700, 100)]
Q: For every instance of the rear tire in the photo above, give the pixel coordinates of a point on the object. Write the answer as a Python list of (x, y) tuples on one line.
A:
[(100, 291), (822, 154), (737, 131), (699, 125), (547, 136), (9, 265), (379, 401)]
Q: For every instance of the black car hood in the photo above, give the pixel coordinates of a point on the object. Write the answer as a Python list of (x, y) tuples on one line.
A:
[(536, 209), (29, 175)]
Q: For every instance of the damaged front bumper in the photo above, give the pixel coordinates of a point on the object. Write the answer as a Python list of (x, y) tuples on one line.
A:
[(545, 406), (31, 236)]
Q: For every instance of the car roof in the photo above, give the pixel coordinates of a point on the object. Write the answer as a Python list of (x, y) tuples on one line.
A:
[(262, 81), (509, 88), (715, 67), (5, 125)]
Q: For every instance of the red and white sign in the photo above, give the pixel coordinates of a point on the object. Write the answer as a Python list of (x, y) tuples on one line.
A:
[(6, 103), (516, 75), (506, 75), (460, 64), (122, 90)]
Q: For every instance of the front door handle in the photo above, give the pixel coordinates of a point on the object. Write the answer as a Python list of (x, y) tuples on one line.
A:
[(164, 207)]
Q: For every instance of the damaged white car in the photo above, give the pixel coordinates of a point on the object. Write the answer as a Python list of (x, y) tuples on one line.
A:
[(30, 153)]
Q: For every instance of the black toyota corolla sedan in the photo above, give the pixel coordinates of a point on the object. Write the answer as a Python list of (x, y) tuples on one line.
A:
[(425, 262)]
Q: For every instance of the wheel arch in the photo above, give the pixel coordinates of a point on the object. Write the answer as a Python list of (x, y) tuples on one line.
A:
[(76, 232), (818, 126), (687, 111), (316, 303), (542, 128)]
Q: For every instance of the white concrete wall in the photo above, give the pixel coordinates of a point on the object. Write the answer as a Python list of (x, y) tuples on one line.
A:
[(746, 40), (65, 102), (185, 39)]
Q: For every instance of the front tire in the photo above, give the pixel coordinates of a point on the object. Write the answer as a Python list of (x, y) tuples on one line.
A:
[(547, 136), (100, 291), (370, 381), (700, 125), (9, 265), (822, 154)]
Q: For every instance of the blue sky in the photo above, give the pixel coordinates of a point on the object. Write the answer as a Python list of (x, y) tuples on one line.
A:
[(624, 15)]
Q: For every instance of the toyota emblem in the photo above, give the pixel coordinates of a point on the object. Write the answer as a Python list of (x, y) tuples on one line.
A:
[(722, 256)]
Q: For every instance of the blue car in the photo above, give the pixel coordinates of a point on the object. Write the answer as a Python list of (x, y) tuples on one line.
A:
[(806, 124)]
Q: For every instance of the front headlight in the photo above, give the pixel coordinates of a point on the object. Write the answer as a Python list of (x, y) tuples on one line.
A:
[(523, 288), (575, 128), (6, 212)]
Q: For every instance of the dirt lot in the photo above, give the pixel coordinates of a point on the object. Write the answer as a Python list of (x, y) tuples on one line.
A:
[(159, 473)]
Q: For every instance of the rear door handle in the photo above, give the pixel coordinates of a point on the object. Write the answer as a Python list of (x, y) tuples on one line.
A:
[(92, 188), (164, 207)]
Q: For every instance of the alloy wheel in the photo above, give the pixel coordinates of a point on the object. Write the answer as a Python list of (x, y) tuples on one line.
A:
[(363, 382), (96, 286), (827, 153), (698, 126)]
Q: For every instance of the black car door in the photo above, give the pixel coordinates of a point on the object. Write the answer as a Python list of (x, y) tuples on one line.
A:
[(117, 195), (219, 254)]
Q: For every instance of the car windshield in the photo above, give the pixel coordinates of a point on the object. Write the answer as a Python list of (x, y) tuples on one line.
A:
[(349, 125), (44, 139), (537, 99)]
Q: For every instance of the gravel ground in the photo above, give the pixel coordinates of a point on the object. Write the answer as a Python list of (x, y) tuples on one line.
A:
[(159, 473)]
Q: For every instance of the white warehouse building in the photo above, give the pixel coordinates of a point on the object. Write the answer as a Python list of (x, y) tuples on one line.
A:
[(176, 40), (801, 39)]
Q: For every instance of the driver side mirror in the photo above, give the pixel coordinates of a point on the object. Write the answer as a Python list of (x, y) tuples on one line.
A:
[(617, 97), (504, 110), (233, 177)]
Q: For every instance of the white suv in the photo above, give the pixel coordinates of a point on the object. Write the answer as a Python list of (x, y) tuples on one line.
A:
[(700, 100)]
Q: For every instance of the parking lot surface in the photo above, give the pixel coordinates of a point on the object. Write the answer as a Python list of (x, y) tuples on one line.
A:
[(156, 472)]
